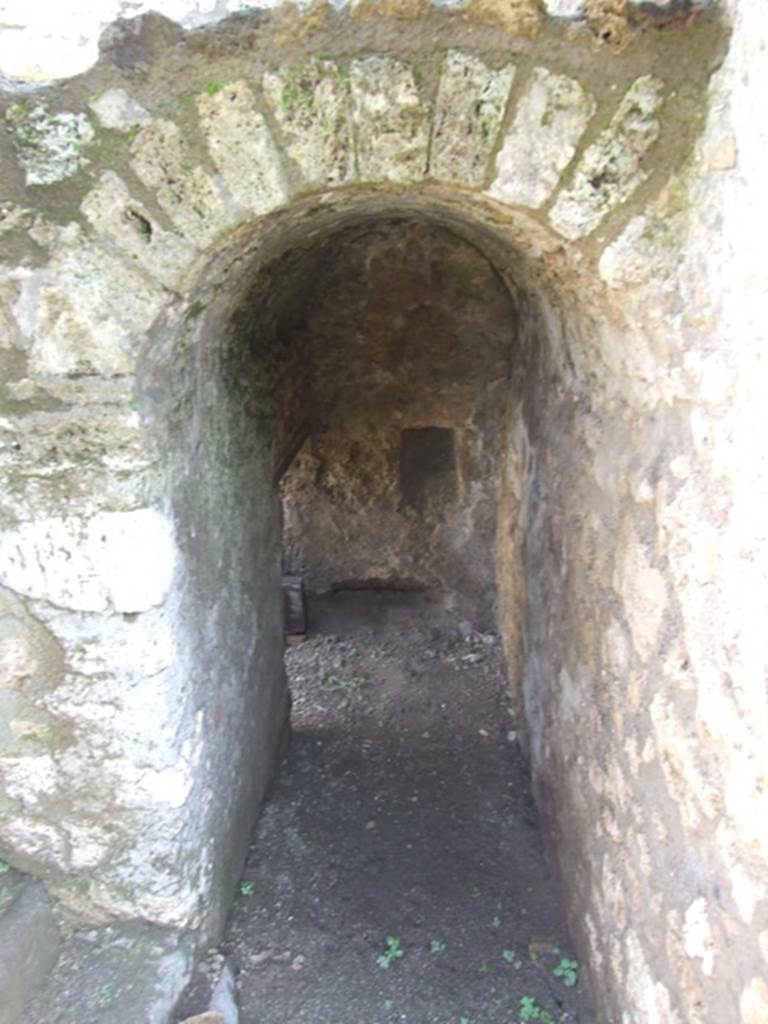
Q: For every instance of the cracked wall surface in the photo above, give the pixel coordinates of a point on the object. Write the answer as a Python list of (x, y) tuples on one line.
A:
[(160, 214)]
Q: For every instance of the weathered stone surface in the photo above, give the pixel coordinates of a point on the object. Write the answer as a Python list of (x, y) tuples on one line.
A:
[(631, 259), (10, 335), (517, 17), (122, 560), (118, 217), (470, 105), (242, 147), (550, 118), (84, 311), (117, 974), (116, 109), (104, 461), (635, 496), (611, 169), (753, 1002), (17, 659), (564, 8), (30, 943), (312, 106), (392, 122), (49, 145), (14, 217), (643, 593), (223, 998), (163, 161), (608, 20)]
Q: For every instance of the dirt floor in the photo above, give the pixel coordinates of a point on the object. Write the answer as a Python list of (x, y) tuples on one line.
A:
[(397, 874)]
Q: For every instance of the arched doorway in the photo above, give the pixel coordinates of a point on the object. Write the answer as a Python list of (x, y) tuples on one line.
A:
[(142, 557)]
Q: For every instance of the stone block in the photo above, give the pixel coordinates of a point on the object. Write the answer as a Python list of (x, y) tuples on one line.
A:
[(123, 560), (119, 218), (118, 974), (471, 101), (391, 120), (164, 162), (564, 8), (117, 110), (30, 943), (645, 250), (10, 336), (49, 146), (57, 464), (223, 998), (85, 311), (312, 107), (515, 17), (549, 121), (242, 147), (611, 169), (133, 650)]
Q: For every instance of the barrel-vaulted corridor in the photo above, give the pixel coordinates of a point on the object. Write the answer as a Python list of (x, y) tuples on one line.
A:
[(448, 315), (397, 873)]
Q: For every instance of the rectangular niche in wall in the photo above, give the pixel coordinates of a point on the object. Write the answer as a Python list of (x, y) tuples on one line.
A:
[(427, 467)]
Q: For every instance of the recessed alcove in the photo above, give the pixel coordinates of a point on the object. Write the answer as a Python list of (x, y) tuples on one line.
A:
[(403, 369)]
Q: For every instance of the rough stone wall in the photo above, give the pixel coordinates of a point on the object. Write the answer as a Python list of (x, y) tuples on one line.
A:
[(652, 516), (145, 201), (408, 341)]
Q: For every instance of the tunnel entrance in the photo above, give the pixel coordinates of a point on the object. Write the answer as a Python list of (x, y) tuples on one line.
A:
[(174, 227), (397, 871)]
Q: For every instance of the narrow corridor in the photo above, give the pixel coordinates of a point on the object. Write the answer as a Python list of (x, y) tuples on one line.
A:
[(397, 873)]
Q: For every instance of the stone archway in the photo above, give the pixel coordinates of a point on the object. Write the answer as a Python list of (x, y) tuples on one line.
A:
[(154, 228)]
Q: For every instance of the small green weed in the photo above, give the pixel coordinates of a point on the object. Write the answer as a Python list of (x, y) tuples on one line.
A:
[(354, 683), (334, 682), (530, 1010), (18, 111), (106, 995), (247, 888), (299, 95), (496, 922), (568, 970), (509, 956), (464, 1019), (4, 866), (393, 952), (213, 87), (436, 946)]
